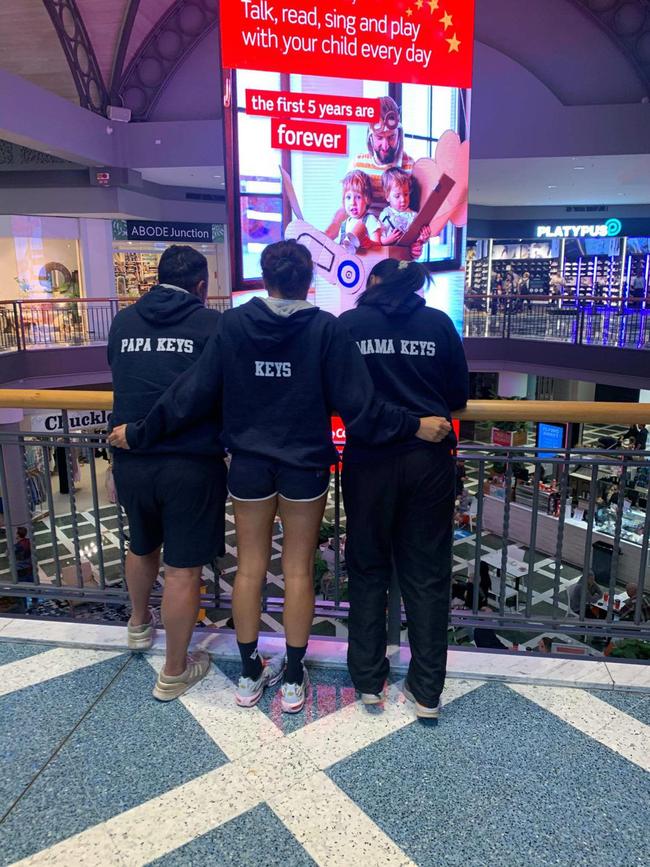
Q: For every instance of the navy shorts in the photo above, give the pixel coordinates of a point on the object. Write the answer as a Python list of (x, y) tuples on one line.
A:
[(254, 478), (176, 501)]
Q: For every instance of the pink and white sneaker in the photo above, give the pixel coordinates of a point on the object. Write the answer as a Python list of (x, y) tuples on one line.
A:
[(294, 694), (250, 691)]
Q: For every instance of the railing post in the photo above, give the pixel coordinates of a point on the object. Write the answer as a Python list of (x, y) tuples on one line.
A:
[(20, 325), (581, 324)]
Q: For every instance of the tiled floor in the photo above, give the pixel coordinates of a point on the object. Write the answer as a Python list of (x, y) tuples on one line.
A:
[(95, 772)]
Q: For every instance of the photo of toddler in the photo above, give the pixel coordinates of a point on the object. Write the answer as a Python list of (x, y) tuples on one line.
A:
[(359, 224), (397, 217)]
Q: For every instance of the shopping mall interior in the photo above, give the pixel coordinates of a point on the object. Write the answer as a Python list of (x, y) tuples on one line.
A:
[(128, 126)]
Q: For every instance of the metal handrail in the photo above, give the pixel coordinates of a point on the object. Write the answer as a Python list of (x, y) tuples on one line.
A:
[(589, 412), (86, 300), (502, 509)]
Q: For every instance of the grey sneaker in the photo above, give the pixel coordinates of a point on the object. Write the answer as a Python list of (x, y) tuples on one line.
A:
[(250, 691), (421, 710), (141, 637), (294, 694), (170, 687), (371, 698)]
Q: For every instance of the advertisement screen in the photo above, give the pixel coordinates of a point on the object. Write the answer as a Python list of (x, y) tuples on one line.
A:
[(583, 247), (638, 246), (351, 135), (551, 436), (526, 250)]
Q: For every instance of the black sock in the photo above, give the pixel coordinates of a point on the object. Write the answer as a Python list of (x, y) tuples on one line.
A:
[(293, 672), (251, 661)]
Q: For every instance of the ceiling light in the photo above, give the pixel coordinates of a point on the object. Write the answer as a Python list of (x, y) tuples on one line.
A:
[(578, 168), (552, 186)]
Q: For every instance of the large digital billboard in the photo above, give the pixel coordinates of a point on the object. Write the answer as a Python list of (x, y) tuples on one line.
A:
[(350, 133)]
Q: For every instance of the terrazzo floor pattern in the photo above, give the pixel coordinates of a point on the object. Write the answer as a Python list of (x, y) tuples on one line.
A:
[(95, 772)]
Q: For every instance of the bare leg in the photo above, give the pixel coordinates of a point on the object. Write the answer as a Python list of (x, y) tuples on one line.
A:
[(180, 608), (301, 522), (254, 523), (141, 574)]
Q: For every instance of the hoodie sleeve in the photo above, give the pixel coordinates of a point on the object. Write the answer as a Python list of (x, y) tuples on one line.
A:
[(350, 391), (457, 374), (195, 395)]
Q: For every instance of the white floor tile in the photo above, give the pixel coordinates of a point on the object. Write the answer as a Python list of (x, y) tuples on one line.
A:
[(158, 826), (332, 828), (628, 675), (44, 666), (235, 730), (339, 735), (599, 720)]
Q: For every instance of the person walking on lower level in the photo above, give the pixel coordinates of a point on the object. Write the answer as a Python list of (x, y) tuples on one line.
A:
[(399, 498)]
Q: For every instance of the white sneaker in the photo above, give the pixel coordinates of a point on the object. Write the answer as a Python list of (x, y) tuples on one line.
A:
[(371, 698), (141, 637), (294, 694), (421, 710), (250, 691), (169, 687)]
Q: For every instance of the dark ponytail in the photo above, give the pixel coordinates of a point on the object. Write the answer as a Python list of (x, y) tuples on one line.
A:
[(392, 281), (287, 268)]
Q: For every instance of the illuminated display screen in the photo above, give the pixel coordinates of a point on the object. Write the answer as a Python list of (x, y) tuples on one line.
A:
[(352, 137)]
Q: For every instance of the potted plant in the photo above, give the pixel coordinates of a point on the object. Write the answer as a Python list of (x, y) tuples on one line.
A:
[(508, 434)]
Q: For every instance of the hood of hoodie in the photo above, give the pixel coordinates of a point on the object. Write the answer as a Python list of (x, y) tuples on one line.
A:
[(396, 306), (165, 305), (267, 329)]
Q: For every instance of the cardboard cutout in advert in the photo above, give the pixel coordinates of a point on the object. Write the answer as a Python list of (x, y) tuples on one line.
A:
[(352, 124)]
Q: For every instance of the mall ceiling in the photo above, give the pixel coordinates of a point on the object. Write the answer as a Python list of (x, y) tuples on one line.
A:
[(125, 52), (553, 79)]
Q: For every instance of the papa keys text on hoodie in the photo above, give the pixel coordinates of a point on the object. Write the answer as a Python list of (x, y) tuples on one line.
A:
[(150, 344)]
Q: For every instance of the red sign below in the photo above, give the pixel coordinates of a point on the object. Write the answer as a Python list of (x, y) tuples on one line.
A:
[(301, 135), (338, 431)]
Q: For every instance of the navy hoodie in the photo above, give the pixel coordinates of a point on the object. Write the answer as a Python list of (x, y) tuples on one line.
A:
[(149, 345), (280, 378), (416, 360)]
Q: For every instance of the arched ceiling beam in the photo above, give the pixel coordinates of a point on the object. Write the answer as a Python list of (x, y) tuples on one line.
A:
[(174, 36), (79, 53), (122, 45)]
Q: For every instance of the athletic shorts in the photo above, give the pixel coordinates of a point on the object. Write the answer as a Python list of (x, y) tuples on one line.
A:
[(254, 478), (176, 501)]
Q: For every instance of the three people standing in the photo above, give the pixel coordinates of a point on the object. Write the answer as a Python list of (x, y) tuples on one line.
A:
[(276, 369)]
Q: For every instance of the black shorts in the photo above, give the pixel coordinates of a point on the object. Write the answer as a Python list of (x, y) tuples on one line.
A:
[(173, 500), (254, 478)]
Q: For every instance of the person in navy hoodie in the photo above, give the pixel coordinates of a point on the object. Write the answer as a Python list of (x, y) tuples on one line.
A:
[(174, 492), (280, 366), (399, 497)]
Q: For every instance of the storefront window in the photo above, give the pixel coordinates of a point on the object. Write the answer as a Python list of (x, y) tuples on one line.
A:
[(136, 267), (33, 266)]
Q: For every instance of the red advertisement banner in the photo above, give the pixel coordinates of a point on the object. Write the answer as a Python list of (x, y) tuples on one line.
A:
[(338, 431), (300, 135), (403, 41), (312, 106)]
